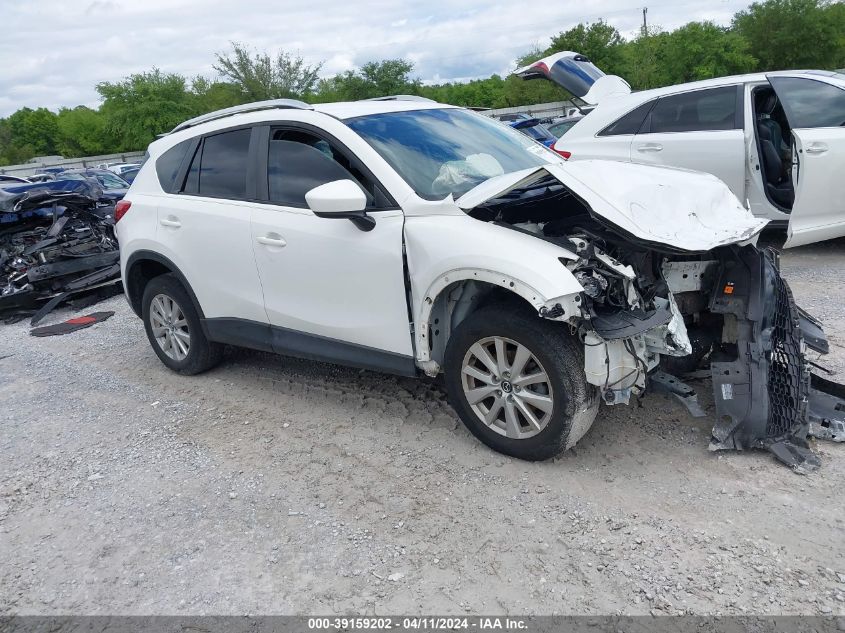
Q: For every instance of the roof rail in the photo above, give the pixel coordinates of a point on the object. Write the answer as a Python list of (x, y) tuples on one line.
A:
[(401, 98), (255, 106)]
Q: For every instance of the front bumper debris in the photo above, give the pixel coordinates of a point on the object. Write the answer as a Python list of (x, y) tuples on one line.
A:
[(766, 396)]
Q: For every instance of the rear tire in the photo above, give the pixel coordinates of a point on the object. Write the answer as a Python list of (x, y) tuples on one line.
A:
[(518, 384), (174, 330)]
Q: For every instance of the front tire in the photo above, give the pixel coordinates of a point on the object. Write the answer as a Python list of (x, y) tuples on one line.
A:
[(518, 384), (173, 328)]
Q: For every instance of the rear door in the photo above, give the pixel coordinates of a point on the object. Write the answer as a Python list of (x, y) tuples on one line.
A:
[(204, 224), (815, 109), (700, 130)]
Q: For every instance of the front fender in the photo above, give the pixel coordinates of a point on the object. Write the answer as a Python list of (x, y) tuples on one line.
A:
[(442, 250)]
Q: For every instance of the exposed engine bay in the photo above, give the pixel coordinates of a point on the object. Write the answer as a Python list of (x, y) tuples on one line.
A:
[(651, 315)]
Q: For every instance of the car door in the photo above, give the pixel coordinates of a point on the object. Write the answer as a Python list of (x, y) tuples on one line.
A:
[(332, 291), (204, 223), (700, 130), (611, 141), (815, 109)]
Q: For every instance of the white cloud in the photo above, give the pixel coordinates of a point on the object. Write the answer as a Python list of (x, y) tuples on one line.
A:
[(54, 52)]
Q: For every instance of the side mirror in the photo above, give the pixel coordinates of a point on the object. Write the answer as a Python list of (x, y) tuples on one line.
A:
[(341, 199)]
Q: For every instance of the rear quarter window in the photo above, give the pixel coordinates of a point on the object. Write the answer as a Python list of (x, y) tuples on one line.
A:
[(168, 164), (631, 122)]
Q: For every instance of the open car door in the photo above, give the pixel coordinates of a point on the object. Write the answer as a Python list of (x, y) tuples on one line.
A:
[(577, 75), (815, 109)]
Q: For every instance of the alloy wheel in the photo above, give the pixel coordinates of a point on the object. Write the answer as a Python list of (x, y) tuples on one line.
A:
[(170, 327), (507, 387)]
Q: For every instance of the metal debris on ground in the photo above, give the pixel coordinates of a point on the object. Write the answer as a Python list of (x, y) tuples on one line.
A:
[(57, 243), (71, 325)]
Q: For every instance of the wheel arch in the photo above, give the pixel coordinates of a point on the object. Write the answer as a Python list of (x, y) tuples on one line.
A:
[(142, 267), (454, 295)]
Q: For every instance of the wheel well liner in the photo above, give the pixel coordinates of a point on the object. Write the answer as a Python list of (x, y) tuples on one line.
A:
[(456, 301), (143, 266)]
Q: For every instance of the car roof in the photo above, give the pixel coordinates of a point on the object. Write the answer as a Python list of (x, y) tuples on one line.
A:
[(352, 109), (726, 81), (610, 109), (342, 110)]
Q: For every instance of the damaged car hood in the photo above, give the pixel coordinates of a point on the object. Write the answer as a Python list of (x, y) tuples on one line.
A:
[(682, 209)]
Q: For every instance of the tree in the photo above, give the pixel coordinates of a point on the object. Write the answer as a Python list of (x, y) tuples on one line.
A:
[(35, 129), (82, 132), (261, 77), (374, 79), (144, 105), (208, 95), (643, 61), (785, 34), (701, 50)]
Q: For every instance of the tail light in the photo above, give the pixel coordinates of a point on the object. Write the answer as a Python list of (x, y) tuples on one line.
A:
[(566, 155), (120, 209)]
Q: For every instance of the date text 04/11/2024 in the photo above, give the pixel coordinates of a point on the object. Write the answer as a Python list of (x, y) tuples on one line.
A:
[(420, 623)]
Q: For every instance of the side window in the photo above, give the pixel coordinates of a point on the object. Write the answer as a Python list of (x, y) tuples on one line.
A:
[(702, 110), (219, 166), (631, 122), (298, 161), (810, 103), (167, 165)]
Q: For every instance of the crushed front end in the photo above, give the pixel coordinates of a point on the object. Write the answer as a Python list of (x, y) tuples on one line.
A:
[(675, 289), (649, 319)]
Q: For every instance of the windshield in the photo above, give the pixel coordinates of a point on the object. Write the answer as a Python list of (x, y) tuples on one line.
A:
[(448, 151)]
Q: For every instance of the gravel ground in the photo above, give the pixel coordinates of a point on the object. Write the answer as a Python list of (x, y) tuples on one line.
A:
[(273, 485)]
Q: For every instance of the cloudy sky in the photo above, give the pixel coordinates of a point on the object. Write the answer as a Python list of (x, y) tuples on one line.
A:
[(53, 52)]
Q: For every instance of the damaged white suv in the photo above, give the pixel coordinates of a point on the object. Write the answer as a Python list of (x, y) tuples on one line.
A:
[(409, 237)]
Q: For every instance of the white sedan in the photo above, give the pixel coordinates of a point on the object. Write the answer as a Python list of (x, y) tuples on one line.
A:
[(776, 139)]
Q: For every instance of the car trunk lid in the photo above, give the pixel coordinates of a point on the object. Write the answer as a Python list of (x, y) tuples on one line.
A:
[(576, 74)]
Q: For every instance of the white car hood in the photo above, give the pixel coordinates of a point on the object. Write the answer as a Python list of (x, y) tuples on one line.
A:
[(683, 209)]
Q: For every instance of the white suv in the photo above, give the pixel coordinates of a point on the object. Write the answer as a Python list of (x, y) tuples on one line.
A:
[(405, 236)]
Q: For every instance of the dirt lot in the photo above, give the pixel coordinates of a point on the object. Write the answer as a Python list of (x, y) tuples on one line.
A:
[(274, 485)]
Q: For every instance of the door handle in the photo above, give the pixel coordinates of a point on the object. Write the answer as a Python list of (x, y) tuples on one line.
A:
[(817, 148), (172, 222), (650, 147), (271, 239)]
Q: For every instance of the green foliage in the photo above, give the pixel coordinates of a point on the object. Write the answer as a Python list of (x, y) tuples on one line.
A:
[(697, 50), (642, 59), (771, 34), (36, 130), (144, 105), (208, 95), (701, 50), (82, 132), (786, 34), (374, 79), (261, 77)]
